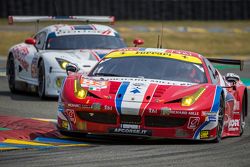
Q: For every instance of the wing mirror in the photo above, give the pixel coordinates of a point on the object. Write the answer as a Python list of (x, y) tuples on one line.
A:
[(71, 68), (30, 41), (138, 42)]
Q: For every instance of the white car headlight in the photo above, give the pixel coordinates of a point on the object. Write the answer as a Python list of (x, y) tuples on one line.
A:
[(63, 63)]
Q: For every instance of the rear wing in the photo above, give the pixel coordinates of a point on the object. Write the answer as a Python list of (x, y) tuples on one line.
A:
[(228, 61), (109, 19)]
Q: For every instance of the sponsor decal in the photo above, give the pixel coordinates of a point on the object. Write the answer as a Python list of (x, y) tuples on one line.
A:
[(204, 134), (152, 111), (168, 111), (109, 108), (135, 90), (96, 106), (138, 84), (208, 113), (129, 126), (165, 111), (20, 52), (34, 68), (131, 131), (71, 115), (234, 125), (193, 122), (74, 105), (92, 84)]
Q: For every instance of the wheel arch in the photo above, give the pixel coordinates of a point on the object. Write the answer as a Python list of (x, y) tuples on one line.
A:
[(7, 65)]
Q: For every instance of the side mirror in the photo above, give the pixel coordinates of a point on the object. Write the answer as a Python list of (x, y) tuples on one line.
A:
[(71, 68), (138, 42), (30, 41)]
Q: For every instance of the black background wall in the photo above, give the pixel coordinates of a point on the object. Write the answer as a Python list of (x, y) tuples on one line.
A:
[(132, 9)]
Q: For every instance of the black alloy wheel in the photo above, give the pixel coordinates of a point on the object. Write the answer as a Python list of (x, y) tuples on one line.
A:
[(242, 115), (220, 120)]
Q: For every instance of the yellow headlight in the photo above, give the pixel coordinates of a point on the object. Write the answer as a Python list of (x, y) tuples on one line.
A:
[(64, 64), (189, 100), (79, 92)]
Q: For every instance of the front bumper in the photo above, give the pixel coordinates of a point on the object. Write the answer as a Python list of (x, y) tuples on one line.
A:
[(54, 82), (178, 126)]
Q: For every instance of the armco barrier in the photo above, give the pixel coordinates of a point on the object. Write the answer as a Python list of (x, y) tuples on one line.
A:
[(132, 9)]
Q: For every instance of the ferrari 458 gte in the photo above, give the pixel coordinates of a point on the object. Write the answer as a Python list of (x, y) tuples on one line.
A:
[(152, 92)]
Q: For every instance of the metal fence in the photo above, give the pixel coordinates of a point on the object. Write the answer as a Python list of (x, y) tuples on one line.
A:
[(132, 9)]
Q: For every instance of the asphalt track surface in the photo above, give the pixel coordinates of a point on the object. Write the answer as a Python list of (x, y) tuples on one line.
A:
[(120, 151)]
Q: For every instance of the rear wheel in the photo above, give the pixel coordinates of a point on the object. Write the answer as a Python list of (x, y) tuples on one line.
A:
[(11, 74), (41, 80), (219, 128), (242, 115)]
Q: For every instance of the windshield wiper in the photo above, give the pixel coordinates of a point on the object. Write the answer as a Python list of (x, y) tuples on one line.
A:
[(106, 74)]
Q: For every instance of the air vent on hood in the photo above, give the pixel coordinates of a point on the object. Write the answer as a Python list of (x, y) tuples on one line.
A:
[(160, 90)]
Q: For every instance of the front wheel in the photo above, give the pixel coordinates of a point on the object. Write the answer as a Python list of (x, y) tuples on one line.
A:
[(219, 128), (41, 80), (11, 74), (242, 115)]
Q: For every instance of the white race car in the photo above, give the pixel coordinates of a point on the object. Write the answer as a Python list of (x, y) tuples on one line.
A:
[(39, 63)]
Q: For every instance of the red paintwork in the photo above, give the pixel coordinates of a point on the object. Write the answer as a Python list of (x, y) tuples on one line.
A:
[(163, 96)]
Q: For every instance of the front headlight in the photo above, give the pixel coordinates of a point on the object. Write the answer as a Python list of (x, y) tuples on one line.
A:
[(189, 100), (63, 63), (79, 92)]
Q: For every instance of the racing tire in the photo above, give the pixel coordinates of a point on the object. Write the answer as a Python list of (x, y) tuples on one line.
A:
[(41, 80), (11, 74), (242, 115), (219, 128)]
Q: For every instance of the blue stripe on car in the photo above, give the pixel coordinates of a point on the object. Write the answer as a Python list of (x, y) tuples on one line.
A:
[(119, 96), (216, 102), (200, 128), (214, 108)]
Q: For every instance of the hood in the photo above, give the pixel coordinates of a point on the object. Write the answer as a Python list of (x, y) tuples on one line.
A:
[(138, 90), (84, 59)]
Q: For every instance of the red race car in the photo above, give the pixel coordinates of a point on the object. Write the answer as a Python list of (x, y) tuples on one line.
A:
[(155, 93)]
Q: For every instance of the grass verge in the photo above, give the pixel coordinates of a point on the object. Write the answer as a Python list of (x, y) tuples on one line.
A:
[(233, 42)]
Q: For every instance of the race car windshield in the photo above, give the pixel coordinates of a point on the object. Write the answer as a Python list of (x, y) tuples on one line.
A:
[(70, 42), (151, 68)]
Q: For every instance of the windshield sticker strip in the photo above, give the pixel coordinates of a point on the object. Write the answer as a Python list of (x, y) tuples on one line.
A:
[(187, 58)]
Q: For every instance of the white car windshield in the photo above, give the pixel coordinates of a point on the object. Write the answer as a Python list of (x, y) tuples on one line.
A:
[(70, 42), (151, 68)]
